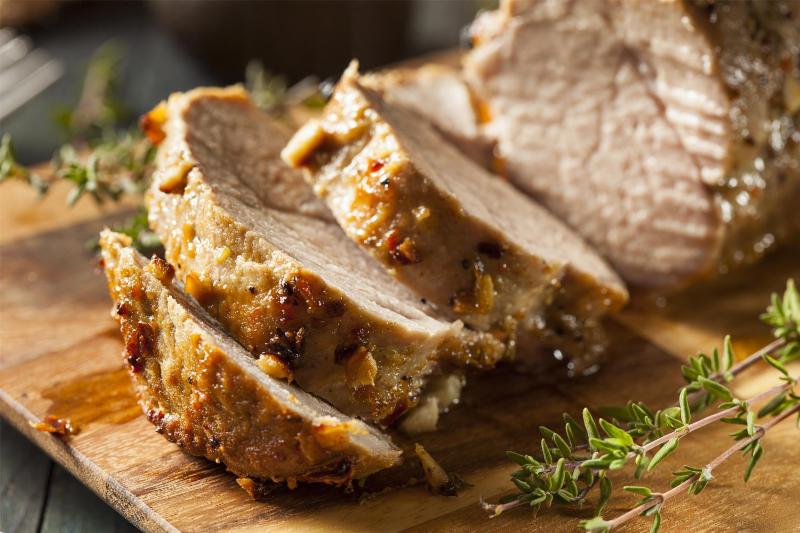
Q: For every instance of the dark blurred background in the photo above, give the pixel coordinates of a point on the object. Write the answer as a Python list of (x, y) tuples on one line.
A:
[(170, 45)]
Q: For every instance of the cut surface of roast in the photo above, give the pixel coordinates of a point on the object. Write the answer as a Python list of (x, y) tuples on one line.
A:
[(465, 240), (205, 392), (260, 253), (666, 133), (439, 94)]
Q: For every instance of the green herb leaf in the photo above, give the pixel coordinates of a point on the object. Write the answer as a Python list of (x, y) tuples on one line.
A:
[(750, 420), (663, 452), (656, 523), (683, 402), (755, 456), (591, 427), (605, 494), (776, 364), (616, 432), (518, 458), (595, 525), (716, 389), (642, 491)]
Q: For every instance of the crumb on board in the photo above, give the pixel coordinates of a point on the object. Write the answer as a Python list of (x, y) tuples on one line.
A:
[(439, 481), (61, 427)]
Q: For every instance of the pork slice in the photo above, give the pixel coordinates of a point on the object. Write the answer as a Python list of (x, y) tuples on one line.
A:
[(466, 241), (660, 131), (439, 94), (282, 279), (204, 392)]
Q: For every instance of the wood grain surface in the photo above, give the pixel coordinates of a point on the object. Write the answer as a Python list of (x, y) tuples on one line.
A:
[(60, 354)]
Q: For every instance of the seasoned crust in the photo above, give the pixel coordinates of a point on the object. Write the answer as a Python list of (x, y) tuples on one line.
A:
[(282, 282), (204, 392), (463, 239)]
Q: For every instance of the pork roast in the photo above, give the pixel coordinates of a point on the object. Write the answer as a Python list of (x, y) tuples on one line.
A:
[(469, 243), (204, 392), (259, 252), (438, 93), (664, 132)]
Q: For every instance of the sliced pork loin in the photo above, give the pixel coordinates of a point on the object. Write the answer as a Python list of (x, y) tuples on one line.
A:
[(204, 392), (664, 132), (440, 94), (257, 252), (468, 242)]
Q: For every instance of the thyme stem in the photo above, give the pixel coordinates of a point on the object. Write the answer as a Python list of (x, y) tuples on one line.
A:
[(753, 358), (690, 428), (660, 499), (710, 419)]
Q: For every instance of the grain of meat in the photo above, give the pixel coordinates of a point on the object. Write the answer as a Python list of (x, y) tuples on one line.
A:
[(666, 133)]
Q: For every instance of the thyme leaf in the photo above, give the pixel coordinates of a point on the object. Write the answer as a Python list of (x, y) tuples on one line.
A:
[(635, 430)]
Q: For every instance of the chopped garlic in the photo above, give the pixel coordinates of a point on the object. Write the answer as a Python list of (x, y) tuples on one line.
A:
[(437, 478), (440, 394), (303, 143)]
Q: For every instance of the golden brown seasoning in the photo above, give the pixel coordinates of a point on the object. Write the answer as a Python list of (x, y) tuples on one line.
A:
[(138, 346), (152, 124), (61, 427)]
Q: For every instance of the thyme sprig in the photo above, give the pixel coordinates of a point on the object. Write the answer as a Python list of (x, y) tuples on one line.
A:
[(572, 463), (11, 169), (100, 108), (99, 160), (272, 93)]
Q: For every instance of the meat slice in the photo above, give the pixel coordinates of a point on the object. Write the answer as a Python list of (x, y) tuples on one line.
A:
[(440, 94), (253, 246), (468, 242), (666, 133), (204, 392)]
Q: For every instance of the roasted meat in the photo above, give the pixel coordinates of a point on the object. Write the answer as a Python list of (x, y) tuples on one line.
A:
[(258, 251), (468, 242), (440, 94), (664, 132), (206, 393)]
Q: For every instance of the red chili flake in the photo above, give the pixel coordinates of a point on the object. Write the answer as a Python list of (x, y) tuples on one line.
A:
[(375, 165)]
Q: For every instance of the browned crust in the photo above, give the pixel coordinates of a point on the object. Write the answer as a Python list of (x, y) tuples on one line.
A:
[(215, 404), (285, 309), (423, 236)]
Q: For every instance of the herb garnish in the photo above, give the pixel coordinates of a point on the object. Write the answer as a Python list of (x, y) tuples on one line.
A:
[(106, 163), (271, 92), (99, 160), (574, 462)]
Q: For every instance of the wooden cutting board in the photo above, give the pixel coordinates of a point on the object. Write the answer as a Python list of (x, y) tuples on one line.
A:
[(60, 354)]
